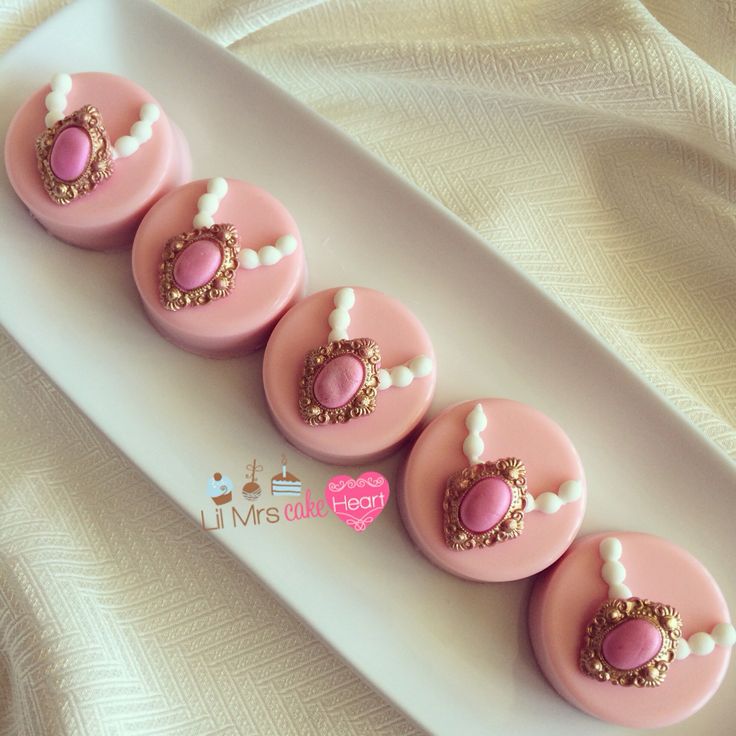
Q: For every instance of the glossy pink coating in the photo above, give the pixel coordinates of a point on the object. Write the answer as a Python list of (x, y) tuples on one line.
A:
[(197, 264), (400, 337), (514, 430), (242, 321), (567, 595), (631, 644), (485, 504), (107, 218), (338, 381), (70, 153)]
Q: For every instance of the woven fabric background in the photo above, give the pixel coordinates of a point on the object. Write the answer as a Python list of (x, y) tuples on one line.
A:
[(592, 143)]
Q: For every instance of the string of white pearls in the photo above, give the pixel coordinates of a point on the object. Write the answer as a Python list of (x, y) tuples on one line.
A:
[(339, 319), (613, 572), (268, 255), (550, 502), (209, 202), (402, 375), (702, 643), (475, 423), (140, 132), (61, 86)]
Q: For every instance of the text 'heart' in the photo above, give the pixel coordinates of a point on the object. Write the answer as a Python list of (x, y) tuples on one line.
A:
[(357, 501)]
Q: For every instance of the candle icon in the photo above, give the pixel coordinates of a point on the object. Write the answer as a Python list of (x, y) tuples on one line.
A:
[(285, 483)]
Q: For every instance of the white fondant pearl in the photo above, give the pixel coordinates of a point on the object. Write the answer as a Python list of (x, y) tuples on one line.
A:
[(619, 590), (218, 186), (268, 255), (473, 448), (344, 298), (384, 379), (208, 204), (126, 146), (61, 83), (249, 259), (53, 117), (421, 366), (548, 502), (476, 420), (286, 244), (683, 650), (141, 131), (202, 219), (55, 101), (339, 319), (149, 112), (611, 549), (701, 643), (570, 491), (401, 376), (724, 635), (613, 572)]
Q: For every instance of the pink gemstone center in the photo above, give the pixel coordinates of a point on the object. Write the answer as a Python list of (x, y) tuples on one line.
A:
[(197, 264), (338, 381), (631, 644), (485, 504), (70, 153)]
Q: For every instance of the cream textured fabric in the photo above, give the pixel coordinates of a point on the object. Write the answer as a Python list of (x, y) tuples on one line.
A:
[(593, 143)]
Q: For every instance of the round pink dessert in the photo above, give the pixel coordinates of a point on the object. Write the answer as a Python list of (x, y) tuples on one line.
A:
[(107, 217), (240, 322), (566, 597), (400, 337), (513, 430)]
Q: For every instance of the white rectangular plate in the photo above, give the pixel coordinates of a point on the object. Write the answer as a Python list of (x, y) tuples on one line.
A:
[(452, 654)]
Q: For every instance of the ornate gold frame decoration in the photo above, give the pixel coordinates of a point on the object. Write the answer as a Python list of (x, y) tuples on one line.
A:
[(99, 166), (513, 472), (613, 613), (172, 296), (364, 399)]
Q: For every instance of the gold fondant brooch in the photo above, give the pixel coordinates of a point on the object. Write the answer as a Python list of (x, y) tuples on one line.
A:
[(74, 152), (341, 379), (632, 641), (200, 265), (485, 503)]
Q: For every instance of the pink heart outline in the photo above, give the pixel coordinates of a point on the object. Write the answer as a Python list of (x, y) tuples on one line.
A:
[(357, 501)]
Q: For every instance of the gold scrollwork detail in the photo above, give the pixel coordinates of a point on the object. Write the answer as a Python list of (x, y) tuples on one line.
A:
[(363, 401), (172, 295), (458, 537), (99, 165), (615, 612)]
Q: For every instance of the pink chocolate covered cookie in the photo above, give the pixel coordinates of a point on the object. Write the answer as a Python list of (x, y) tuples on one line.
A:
[(631, 629), (348, 374), (89, 154), (492, 490), (217, 263)]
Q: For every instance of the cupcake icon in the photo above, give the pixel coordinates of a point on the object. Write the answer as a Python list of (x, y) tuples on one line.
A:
[(220, 489)]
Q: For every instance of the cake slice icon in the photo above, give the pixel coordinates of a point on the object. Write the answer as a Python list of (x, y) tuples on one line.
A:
[(285, 483)]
